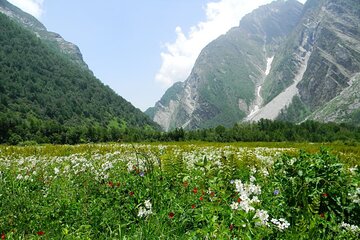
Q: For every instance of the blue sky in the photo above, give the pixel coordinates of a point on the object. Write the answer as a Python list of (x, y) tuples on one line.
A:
[(140, 47)]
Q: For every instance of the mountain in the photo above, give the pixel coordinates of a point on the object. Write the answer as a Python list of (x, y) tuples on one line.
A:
[(344, 108), (223, 85), (314, 75), (46, 86), (285, 61), (54, 40)]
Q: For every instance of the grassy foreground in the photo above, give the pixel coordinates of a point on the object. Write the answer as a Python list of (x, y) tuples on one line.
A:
[(180, 191)]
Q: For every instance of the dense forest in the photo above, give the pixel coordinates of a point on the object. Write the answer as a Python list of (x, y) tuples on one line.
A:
[(15, 130), (275, 131), (43, 93)]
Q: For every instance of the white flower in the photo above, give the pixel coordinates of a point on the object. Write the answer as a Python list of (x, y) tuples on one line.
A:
[(145, 211), (252, 179), (355, 197), (19, 177), (353, 170), (263, 216), (56, 171), (349, 227), (248, 195), (234, 206), (148, 204), (255, 199), (130, 166), (142, 212), (265, 172), (106, 166), (245, 205), (281, 224), (292, 161)]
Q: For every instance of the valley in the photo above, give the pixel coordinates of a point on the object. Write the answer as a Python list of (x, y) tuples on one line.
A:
[(260, 141)]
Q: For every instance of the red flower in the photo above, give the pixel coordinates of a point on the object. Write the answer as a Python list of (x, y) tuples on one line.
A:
[(110, 184), (201, 198), (239, 200), (195, 190), (231, 227), (40, 233), (322, 215), (2, 236), (185, 184), (131, 193), (325, 195), (212, 194), (193, 206), (171, 215)]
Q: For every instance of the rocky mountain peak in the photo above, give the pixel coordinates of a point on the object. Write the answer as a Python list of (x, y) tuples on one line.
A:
[(273, 20)]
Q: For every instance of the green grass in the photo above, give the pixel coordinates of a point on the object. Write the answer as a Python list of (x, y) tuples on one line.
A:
[(179, 191)]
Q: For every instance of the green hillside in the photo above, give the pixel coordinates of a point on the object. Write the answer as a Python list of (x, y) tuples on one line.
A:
[(44, 94)]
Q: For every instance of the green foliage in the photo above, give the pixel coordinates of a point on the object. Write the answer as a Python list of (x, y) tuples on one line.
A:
[(272, 131), (194, 192), (316, 188), (297, 111), (355, 118), (44, 95)]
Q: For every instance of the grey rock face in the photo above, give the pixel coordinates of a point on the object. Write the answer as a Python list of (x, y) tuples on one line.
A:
[(279, 53), (343, 108), (335, 56), (223, 85)]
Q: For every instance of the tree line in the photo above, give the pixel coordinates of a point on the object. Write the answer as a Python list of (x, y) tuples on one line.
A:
[(15, 130)]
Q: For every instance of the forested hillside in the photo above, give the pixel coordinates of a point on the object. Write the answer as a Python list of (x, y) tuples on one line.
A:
[(44, 94)]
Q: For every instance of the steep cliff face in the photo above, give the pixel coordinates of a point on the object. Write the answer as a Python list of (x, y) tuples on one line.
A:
[(316, 64), (224, 85), (54, 40), (344, 108), (336, 56)]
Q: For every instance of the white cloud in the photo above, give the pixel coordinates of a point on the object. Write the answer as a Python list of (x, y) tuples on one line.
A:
[(180, 56), (33, 7)]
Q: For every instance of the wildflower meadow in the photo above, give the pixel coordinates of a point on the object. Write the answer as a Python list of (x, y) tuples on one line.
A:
[(183, 191)]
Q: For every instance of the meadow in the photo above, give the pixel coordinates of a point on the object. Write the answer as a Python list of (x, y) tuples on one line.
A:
[(180, 191)]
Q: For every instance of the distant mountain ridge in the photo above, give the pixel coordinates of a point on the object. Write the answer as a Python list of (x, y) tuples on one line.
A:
[(285, 61)]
